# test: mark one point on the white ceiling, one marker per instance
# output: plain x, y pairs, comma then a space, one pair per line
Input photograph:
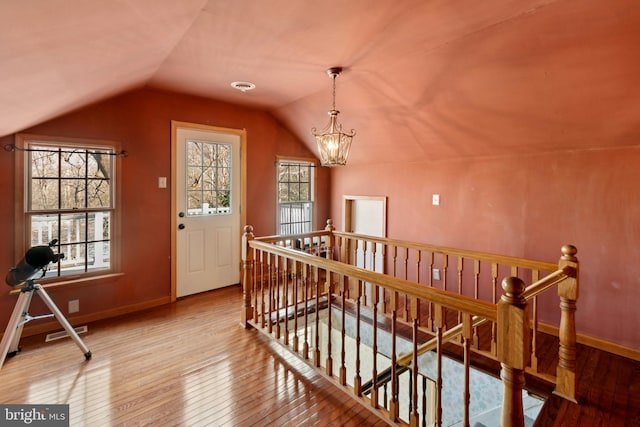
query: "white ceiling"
423, 80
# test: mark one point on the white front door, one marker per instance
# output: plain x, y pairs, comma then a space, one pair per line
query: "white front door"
207, 188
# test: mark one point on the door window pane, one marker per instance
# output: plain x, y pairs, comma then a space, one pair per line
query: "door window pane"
208, 178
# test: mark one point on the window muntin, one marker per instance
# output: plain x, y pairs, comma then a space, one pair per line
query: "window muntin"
295, 197
208, 178
70, 198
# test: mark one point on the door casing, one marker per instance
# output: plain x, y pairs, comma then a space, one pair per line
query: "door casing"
174, 210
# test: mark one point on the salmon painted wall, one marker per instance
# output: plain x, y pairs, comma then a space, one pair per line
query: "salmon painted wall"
141, 122
526, 206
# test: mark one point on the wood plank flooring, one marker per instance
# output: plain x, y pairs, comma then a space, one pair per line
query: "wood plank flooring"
191, 364
185, 364
608, 394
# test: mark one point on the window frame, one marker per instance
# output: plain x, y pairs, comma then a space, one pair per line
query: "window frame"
312, 164
22, 214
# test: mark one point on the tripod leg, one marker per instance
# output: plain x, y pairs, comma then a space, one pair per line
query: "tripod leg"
11, 336
63, 321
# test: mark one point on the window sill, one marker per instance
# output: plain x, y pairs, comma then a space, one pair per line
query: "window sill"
71, 282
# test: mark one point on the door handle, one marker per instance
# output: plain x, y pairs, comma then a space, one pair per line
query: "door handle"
181, 226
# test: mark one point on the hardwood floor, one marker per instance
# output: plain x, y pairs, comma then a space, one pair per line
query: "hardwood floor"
608, 394
191, 364
186, 364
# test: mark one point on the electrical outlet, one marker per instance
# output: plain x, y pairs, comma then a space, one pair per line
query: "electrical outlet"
435, 273
74, 306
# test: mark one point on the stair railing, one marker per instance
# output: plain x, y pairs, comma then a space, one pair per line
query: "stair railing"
286, 293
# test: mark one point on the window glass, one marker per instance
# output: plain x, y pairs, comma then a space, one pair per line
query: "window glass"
70, 194
208, 178
295, 197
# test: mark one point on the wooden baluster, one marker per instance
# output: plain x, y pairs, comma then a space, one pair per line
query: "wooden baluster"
394, 404
316, 286
357, 380
374, 347
445, 266
535, 276
418, 264
280, 273
394, 256
414, 417
494, 285
355, 252
385, 302
330, 241
247, 277
343, 333
305, 280
257, 284
367, 286
263, 285
568, 292
406, 276
514, 350
329, 286
409, 391
296, 296
439, 325
429, 303
270, 303
467, 337
385, 397
460, 268
374, 253
285, 296
346, 250
476, 285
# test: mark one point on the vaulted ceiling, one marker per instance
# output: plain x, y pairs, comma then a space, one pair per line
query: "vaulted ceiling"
423, 80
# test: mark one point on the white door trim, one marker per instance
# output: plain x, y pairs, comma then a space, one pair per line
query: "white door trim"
242, 133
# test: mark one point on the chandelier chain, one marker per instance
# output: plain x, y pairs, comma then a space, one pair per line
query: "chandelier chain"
334, 92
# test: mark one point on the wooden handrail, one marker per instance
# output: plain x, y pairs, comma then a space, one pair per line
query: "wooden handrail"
547, 282
445, 298
481, 256
292, 237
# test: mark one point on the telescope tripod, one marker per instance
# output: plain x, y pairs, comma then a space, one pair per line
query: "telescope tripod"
20, 316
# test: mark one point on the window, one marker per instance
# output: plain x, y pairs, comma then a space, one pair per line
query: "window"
295, 196
208, 178
69, 196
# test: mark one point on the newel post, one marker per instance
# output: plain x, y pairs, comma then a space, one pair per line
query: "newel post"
330, 239
514, 349
247, 276
568, 293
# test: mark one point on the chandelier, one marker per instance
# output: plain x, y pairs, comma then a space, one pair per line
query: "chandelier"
333, 142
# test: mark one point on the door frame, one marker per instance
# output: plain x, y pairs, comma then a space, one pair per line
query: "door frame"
242, 133
347, 208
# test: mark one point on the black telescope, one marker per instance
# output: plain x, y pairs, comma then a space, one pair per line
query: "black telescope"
37, 258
